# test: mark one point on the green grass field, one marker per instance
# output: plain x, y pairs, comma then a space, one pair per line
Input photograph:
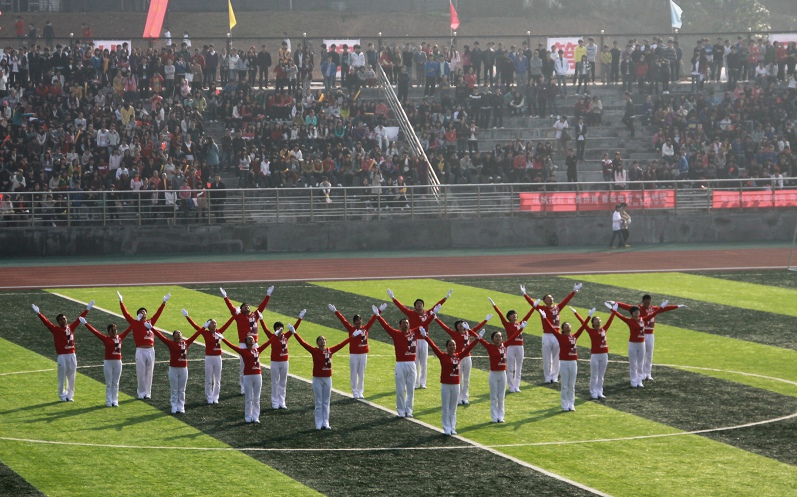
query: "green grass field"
719, 419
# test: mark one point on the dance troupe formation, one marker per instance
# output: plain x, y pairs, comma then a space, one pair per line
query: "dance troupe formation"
411, 342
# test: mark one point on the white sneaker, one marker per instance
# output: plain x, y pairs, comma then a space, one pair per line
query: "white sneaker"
601, 396
649, 378
408, 415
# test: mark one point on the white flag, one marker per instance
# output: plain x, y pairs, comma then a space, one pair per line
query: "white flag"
675, 15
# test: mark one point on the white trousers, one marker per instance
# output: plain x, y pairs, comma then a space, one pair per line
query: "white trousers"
212, 378
420, 362
497, 394
465, 365
650, 341
597, 370
178, 377
113, 371
253, 383
405, 375
67, 369
636, 358
322, 392
514, 366
569, 369
357, 363
145, 366
550, 357
279, 383
241, 345
450, 397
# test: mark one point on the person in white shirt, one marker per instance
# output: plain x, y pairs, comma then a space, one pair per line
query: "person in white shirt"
357, 58
617, 227
561, 66
561, 138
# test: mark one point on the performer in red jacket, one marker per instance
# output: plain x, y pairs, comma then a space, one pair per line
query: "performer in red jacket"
599, 353
568, 361
418, 317
178, 365
514, 348
358, 349
645, 309
462, 334
112, 366
550, 346
497, 353
145, 343
253, 379
279, 360
246, 320
449, 378
636, 342
322, 374
64, 338
212, 355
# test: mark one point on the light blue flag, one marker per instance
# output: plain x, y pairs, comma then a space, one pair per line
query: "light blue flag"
675, 15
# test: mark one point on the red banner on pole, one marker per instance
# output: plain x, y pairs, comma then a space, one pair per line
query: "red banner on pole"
454, 16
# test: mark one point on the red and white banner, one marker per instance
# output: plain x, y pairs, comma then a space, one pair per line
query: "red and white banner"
568, 46
783, 37
596, 201
111, 45
735, 199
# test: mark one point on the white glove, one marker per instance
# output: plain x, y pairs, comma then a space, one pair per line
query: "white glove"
466, 325
383, 307
223, 293
523, 325
120, 296
591, 312
89, 305
681, 306
291, 328
614, 307
481, 333
147, 325
207, 323
390, 293
185, 313
301, 314
537, 302
436, 309
237, 310
270, 290
523, 289
259, 315
140, 317
664, 304
218, 336
609, 304
492, 303
376, 311
577, 287
167, 297
488, 317
572, 309
357, 333
82, 320
448, 295
35, 309
332, 308
543, 314
423, 331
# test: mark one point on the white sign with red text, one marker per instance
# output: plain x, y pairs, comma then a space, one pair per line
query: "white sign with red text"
568, 45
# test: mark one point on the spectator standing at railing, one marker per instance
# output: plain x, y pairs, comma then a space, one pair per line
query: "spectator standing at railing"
561, 67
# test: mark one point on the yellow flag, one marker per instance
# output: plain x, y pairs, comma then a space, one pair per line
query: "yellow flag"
233, 22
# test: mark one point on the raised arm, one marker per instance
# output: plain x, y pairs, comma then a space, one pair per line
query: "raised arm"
95, 332
445, 327
124, 334
608, 322
344, 321
83, 314
479, 326
570, 295
388, 329
307, 346
233, 310
160, 335
191, 321
265, 329
126, 314
339, 346
233, 347
157, 315
439, 353
547, 322
226, 325
467, 349
504, 322
262, 306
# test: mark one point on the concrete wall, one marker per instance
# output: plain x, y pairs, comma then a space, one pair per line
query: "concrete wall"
521, 231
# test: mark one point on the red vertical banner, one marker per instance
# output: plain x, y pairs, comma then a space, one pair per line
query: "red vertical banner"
155, 16
454, 16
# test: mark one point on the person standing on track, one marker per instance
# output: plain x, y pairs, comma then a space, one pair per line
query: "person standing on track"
462, 334
279, 359
550, 345
112, 367
246, 320
497, 353
322, 373
405, 345
64, 337
212, 355
514, 347
568, 360
178, 365
636, 341
419, 317
599, 353
145, 343
449, 378
650, 324
253, 379
358, 349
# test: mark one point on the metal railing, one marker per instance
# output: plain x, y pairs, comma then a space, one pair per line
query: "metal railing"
299, 205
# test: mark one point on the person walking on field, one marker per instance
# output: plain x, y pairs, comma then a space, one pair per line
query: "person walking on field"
617, 227
568, 360
449, 378
358, 349
625, 224
112, 367
599, 353
419, 317
212, 355
145, 343
64, 337
322, 373
514, 347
